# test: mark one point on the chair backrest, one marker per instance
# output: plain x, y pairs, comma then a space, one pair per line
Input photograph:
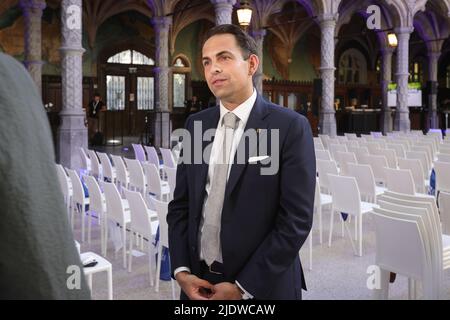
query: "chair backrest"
444, 210
171, 179
389, 154
415, 166
121, 171
78, 190
95, 195
399, 245
345, 193
343, 159
398, 148
152, 155
378, 163
114, 205
107, 169
137, 177
63, 180
442, 170
139, 152
444, 150
400, 180
153, 179
443, 157
140, 219
161, 210
364, 177
325, 167
422, 154
425, 149
95, 164
360, 153
351, 136
168, 159
323, 154
333, 148
85, 162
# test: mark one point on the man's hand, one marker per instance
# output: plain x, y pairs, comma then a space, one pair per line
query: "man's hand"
194, 287
226, 291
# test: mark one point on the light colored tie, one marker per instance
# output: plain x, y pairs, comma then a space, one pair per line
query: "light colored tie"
210, 238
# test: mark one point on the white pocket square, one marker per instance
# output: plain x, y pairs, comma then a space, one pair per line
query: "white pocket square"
256, 159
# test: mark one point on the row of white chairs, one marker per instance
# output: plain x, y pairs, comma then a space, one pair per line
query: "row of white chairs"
129, 213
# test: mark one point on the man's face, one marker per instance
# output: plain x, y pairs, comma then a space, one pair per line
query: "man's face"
97, 98
228, 75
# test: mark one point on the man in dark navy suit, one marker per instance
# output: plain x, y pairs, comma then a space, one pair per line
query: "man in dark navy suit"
243, 209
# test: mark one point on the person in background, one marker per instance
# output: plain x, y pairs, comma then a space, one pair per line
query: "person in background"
36, 243
94, 108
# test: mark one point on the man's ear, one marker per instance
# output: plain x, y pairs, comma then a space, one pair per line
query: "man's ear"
253, 64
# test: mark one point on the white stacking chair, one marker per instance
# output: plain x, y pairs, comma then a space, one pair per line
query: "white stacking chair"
96, 169
333, 148
323, 155
444, 149
161, 210
416, 168
144, 223
79, 203
108, 171
443, 157
360, 153
168, 159
347, 199
122, 174
318, 145
422, 156
97, 204
320, 200
139, 152
85, 161
442, 170
378, 163
366, 181
400, 248
351, 136
400, 180
343, 159
390, 155
152, 156
325, 167
444, 211
118, 212
398, 148
66, 188
137, 177
155, 186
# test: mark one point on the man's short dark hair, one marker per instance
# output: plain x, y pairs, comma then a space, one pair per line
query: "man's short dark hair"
244, 41
96, 94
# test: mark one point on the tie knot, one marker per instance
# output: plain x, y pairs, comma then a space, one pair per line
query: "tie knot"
230, 120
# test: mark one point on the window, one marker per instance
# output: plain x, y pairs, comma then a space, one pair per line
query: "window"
131, 57
145, 90
180, 78
447, 77
352, 67
115, 92
415, 72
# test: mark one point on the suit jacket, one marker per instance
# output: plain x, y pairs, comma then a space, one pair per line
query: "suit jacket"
265, 218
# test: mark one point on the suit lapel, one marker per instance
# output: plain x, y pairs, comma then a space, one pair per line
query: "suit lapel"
255, 121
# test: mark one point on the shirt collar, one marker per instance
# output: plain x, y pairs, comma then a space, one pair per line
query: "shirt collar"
242, 111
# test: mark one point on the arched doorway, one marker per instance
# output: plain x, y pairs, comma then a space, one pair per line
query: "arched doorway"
126, 79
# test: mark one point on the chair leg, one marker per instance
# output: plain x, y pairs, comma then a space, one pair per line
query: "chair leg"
158, 267
342, 226
360, 235
356, 228
89, 226
105, 239
382, 292
124, 247
331, 227
82, 223
130, 255
150, 262
319, 211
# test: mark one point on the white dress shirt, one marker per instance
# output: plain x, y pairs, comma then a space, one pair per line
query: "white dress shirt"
242, 112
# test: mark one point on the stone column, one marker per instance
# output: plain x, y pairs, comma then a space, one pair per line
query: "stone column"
32, 11
259, 35
72, 133
386, 78
224, 10
162, 74
327, 121
433, 59
402, 122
